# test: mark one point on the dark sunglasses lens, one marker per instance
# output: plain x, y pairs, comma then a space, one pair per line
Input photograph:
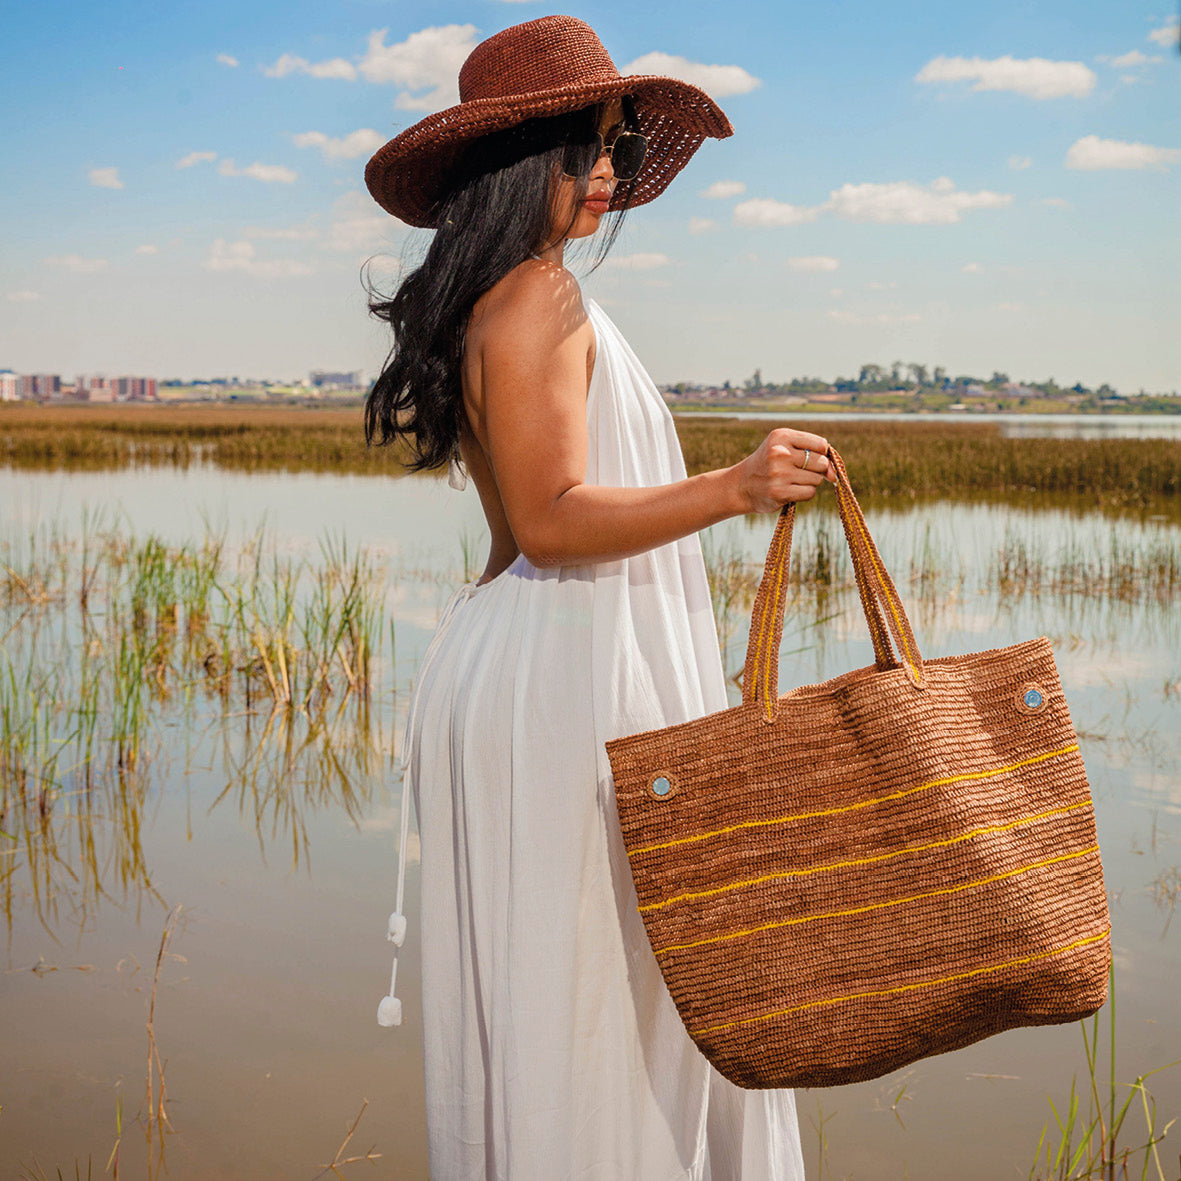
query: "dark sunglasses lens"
579, 156
627, 154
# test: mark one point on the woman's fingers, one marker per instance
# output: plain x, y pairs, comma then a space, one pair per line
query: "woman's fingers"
806, 451
788, 467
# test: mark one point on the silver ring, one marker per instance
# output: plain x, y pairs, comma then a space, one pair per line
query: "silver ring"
807, 456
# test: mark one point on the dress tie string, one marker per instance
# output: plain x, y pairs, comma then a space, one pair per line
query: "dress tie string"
389, 1010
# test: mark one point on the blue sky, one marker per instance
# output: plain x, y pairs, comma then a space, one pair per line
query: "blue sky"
993, 186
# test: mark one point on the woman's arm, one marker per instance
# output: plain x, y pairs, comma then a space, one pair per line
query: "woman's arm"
532, 425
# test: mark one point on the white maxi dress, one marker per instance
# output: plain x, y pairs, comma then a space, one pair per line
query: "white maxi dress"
552, 1047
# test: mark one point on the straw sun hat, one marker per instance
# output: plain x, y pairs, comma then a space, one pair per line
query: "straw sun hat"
544, 67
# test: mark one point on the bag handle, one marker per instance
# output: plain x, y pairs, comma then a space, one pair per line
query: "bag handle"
880, 603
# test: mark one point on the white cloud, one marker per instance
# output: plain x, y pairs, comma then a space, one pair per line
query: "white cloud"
716, 81
1009, 306
24, 296
813, 262
1034, 77
105, 178
877, 285
972, 268
227, 60
242, 256
269, 173
721, 189
426, 62
846, 317
1056, 202
350, 147
1017, 163
898, 202
147, 248
77, 264
763, 211
288, 63
638, 262
1132, 58
284, 233
702, 225
195, 158
1092, 153
903, 202
358, 225
1168, 36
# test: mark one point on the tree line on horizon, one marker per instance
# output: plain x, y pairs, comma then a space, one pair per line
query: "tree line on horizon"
911, 377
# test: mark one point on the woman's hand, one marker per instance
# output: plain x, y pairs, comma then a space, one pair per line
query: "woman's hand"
788, 466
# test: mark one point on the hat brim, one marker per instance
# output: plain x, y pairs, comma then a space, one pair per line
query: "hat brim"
410, 174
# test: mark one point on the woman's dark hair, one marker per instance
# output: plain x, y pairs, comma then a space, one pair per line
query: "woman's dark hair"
496, 215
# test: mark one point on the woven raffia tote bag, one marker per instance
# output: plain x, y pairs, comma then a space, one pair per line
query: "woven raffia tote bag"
891, 864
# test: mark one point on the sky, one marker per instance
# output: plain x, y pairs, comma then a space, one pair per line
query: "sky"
981, 187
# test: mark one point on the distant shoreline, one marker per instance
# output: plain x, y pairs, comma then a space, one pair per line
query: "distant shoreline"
1125, 407
1121, 408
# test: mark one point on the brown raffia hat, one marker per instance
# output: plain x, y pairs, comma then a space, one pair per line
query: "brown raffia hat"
548, 66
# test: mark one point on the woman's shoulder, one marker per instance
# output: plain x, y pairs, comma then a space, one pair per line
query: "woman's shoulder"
537, 300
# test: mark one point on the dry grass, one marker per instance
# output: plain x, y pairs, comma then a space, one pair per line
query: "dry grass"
929, 460
339, 1160
890, 458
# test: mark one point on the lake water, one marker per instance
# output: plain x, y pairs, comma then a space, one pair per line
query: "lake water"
266, 1027
1014, 426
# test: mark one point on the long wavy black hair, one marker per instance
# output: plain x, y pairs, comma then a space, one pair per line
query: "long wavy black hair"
498, 213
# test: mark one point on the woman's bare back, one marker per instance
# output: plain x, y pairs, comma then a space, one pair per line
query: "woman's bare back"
501, 310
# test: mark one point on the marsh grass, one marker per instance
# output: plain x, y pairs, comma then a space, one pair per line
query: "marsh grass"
1118, 566
1113, 566
890, 458
106, 636
963, 461
1088, 1147
154, 1117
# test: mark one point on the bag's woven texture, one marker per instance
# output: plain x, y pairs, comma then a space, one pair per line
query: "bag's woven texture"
891, 864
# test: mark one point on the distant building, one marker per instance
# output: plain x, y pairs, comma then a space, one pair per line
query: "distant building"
9, 386
115, 389
135, 389
94, 389
322, 379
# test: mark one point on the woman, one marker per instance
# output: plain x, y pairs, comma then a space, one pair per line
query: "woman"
553, 1049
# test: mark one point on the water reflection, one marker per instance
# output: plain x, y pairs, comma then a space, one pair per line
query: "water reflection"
1012, 426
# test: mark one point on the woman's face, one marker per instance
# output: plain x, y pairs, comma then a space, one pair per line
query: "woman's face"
578, 216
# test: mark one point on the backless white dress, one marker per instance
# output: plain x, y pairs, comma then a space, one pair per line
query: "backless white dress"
553, 1049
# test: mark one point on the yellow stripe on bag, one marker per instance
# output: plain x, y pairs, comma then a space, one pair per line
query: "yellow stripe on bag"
857, 996
838, 914
988, 773
812, 869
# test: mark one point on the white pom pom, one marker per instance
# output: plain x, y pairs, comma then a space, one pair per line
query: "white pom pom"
389, 1012
397, 929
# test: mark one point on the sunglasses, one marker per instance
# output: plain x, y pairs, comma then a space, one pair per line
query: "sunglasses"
626, 152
